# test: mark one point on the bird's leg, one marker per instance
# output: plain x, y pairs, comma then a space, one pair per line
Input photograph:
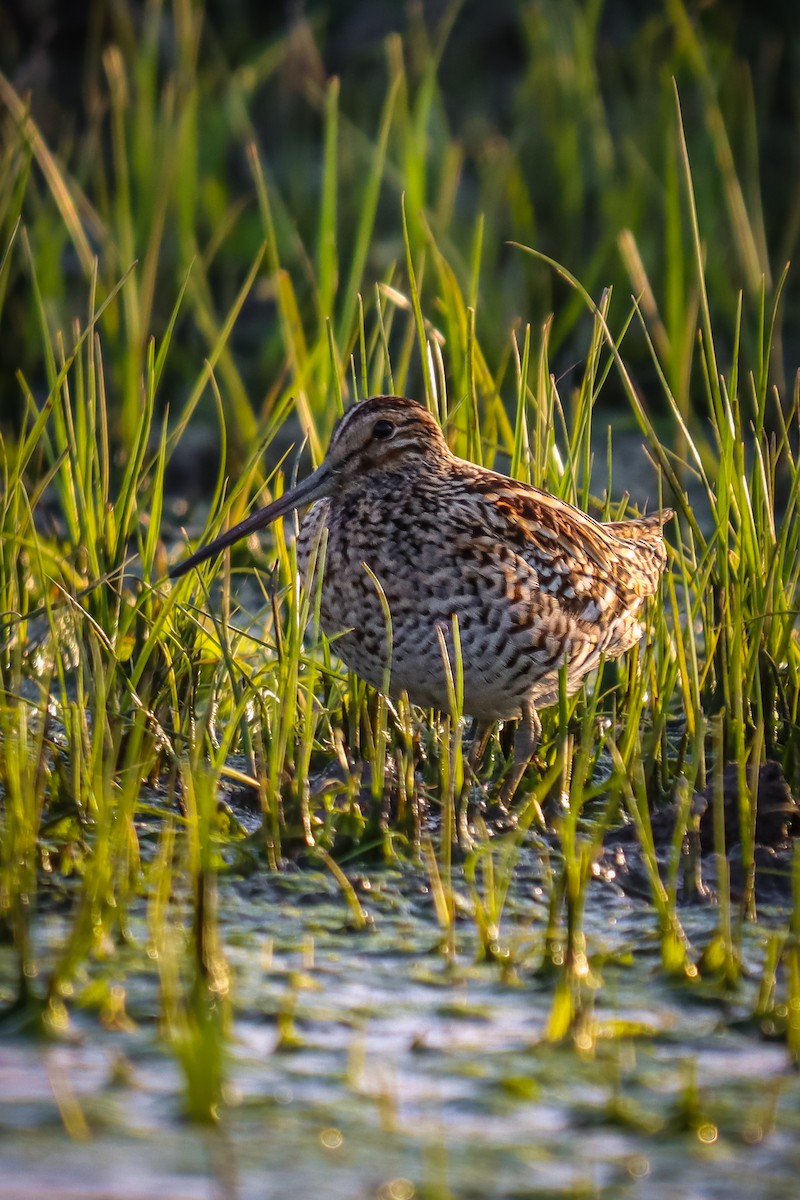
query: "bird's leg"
480, 740
529, 731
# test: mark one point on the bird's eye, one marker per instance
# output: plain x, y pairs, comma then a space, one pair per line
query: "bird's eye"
383, 430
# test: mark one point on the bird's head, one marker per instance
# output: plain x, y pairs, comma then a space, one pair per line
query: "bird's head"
383, 433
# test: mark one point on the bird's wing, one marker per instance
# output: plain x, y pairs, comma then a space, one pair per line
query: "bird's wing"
588, 568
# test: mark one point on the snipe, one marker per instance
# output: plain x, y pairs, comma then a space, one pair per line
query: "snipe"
534, 582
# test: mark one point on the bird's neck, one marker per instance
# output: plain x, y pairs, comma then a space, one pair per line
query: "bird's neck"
399, 479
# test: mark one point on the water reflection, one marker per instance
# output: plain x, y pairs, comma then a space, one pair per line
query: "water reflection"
405, 1078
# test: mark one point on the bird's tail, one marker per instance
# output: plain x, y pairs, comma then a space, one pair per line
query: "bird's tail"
645, 530
645, 535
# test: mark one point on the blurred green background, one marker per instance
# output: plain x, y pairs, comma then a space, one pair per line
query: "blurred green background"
548, 122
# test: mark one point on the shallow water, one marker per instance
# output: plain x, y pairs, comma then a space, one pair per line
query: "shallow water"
409, 1077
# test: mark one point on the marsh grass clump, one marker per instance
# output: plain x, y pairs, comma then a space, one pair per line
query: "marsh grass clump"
127, 702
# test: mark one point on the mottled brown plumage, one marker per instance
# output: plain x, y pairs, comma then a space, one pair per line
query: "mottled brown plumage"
534, 582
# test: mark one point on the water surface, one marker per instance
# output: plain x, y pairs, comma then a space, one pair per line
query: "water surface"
408, 1076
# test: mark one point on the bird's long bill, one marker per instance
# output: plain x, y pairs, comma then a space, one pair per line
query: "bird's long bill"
306, 492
